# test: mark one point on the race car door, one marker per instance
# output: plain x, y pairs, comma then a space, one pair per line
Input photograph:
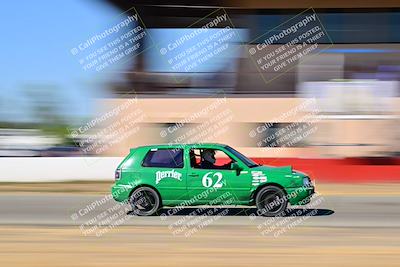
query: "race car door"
218, 184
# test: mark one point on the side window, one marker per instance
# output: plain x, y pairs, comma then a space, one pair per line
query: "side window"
221, 158
209, 159
164, 158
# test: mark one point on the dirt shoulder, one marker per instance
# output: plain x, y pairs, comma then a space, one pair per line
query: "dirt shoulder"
212, 246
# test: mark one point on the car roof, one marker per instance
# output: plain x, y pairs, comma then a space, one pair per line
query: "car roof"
183, 145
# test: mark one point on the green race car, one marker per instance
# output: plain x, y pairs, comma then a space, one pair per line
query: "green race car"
151, 177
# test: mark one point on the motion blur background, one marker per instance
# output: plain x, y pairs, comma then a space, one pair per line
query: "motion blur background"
83, 81
353, 76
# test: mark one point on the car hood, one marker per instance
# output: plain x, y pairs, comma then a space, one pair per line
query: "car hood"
284, 170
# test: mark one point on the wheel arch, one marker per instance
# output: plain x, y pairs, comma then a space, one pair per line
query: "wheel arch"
146, 185
255, 192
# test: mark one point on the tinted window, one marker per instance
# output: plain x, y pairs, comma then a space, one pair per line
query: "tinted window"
166, 158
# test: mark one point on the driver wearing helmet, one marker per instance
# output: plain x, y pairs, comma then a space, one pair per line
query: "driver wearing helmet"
208, 161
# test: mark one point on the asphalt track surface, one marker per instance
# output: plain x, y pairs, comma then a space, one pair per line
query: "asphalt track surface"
53, 229
75, 209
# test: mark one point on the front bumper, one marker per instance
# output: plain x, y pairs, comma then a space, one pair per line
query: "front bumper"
300, 195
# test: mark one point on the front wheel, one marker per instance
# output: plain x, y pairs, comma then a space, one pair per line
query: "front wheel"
144, 201
271, 201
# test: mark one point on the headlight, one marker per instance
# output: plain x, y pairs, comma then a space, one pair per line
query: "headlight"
307, 182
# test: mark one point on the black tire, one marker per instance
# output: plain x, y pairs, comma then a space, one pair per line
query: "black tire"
271, 201
144, 201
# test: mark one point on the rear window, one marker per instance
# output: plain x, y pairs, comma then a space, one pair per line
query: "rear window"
165, 158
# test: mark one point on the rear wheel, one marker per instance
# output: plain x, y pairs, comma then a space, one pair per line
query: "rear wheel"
144, 201
271, 201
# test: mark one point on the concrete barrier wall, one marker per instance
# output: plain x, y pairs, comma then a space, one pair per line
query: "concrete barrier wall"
56, 169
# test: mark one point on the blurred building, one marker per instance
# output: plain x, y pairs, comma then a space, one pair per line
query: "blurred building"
353, 78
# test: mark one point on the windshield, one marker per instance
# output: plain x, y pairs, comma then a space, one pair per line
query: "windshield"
242, 157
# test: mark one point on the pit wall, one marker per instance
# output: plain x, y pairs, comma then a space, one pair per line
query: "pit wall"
58, 169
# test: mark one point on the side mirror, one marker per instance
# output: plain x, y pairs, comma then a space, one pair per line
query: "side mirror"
236, 167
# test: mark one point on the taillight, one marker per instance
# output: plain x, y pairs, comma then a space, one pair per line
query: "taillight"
117, 174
